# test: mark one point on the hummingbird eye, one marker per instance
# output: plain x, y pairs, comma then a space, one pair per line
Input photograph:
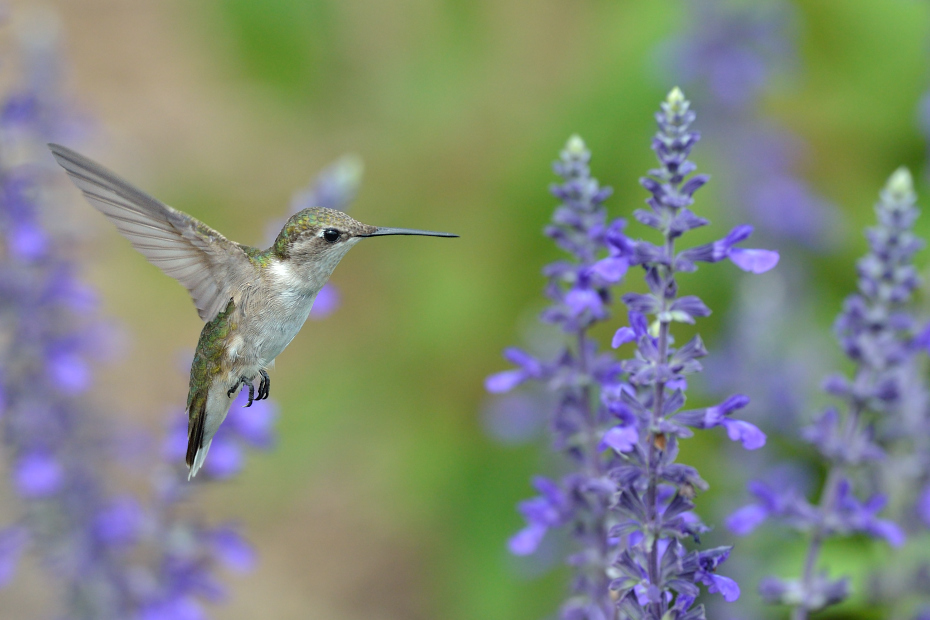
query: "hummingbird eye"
331, 235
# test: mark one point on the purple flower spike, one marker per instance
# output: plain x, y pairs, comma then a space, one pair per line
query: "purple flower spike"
626, 500
879, 336
579, 290
658, 577
253, 425
181, 608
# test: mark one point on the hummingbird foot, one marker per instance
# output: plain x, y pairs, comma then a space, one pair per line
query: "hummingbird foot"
264, 386
246, 382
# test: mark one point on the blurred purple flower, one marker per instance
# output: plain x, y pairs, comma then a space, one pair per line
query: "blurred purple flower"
27, 241
729, 54
233, 551
13, 541
37, 474
227, 458
514, 418
878, 335
69, 372
121, 522
108, 555
181, 608
326, 302
923, 505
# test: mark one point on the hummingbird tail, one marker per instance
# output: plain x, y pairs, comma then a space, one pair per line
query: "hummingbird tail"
196, 451
199, 459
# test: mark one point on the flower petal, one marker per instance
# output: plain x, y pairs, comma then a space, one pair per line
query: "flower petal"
753, 260
746, 519
504, 381
610, 270
725, 586
748, 434
623, 336
526, 540
620, 438
887, 530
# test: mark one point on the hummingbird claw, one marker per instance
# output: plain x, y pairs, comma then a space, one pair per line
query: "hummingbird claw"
248, 383
251, 387
264, 386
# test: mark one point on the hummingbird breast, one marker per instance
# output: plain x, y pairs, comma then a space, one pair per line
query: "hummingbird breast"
271, 315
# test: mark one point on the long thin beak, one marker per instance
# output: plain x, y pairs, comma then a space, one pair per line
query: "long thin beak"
387, 230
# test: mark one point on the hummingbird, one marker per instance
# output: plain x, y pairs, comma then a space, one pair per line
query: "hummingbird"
253, 301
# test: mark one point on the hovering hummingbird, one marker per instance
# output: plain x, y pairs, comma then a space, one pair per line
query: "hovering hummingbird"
253, 301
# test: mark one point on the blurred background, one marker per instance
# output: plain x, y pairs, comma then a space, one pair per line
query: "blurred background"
391, 491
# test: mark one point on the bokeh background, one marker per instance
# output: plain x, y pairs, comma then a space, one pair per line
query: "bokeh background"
389, 494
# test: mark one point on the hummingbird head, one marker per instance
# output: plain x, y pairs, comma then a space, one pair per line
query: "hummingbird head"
321, 237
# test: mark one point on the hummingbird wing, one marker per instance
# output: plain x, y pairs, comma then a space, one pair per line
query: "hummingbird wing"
209, 265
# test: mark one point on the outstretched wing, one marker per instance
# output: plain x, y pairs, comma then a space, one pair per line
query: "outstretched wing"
209, 265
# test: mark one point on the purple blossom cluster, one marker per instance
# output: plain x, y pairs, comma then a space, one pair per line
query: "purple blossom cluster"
877, 333
109, 554
579, 292
627, 502
658, 576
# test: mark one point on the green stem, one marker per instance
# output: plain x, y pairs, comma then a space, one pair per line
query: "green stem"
652, 500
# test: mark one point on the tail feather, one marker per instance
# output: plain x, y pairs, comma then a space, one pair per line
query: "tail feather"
196, 451
199, 459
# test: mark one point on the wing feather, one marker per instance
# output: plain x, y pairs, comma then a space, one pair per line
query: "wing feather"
210, 267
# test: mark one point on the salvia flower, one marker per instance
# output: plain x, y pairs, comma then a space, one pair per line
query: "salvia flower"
627, 502
658, 576
876, 332
579, 291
